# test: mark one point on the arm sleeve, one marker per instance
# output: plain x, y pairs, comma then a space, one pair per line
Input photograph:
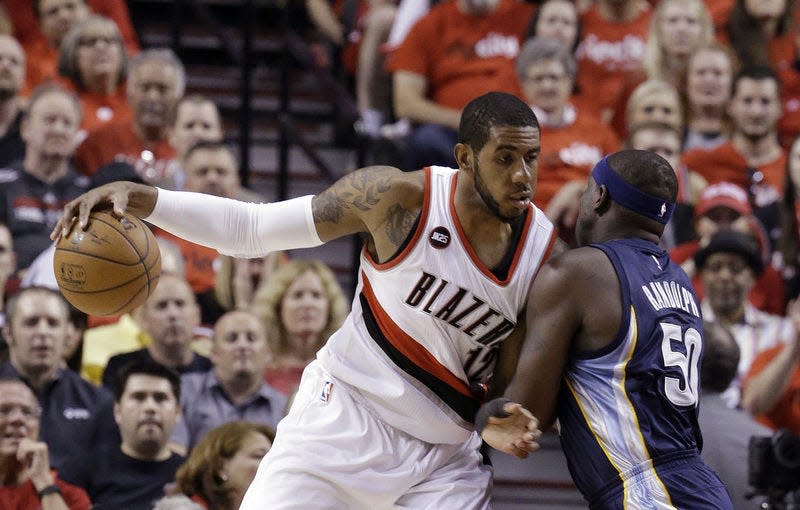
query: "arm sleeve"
234, 228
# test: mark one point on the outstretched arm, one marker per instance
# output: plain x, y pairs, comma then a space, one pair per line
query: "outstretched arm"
362, 201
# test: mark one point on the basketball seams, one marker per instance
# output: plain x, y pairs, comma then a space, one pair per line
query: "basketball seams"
98, 257
125, 236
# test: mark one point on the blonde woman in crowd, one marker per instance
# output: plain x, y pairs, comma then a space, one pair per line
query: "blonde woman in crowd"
301, 305
708, 92
222, 465
678, 27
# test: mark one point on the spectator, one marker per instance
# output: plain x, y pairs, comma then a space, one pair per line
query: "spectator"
611, 49
664, 140
195, 118
94, 61
557, 19
725, 206
708, 92
772, 388
210, 167
753, 159
728, 267
12, 75
33, 191
131, 474
234, 389
761, 34
168, 318
76, 416
73, 343
156, 81
458, 51
236, 282
8, 262
301, 305
726, 431
26, 480
571, 143
224, 462
677, 28
789, 244
654, 101
56, 18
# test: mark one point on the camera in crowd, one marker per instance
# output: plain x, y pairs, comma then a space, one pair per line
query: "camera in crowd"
774, 466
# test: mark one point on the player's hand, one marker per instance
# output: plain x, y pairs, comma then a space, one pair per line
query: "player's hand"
120, 197
516, 433
35, 464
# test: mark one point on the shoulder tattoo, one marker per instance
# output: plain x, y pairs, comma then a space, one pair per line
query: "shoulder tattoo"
399, 222
360, 190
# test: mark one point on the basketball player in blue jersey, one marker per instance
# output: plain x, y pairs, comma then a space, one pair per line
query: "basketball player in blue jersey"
384, 415
613, 347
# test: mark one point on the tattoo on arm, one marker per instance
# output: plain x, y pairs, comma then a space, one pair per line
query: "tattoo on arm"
399, 222
360, 190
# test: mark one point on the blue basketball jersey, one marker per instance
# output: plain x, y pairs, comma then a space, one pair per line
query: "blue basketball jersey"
632, 406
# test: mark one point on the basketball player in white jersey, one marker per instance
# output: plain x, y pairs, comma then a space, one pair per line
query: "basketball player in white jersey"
384, 416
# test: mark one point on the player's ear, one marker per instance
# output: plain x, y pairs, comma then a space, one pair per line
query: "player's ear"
602, 199
464, 157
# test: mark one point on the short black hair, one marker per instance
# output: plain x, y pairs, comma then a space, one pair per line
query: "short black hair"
755, 72
492, 109
732, 241
146, 367
647, 171
720, 358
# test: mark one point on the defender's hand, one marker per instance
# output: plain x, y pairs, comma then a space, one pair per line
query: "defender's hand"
516, 433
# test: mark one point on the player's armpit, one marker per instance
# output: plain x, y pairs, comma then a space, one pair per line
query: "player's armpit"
380, 200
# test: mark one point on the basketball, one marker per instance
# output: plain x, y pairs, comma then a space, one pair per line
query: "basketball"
111, 267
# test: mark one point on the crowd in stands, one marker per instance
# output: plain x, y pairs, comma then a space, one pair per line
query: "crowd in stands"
174, 404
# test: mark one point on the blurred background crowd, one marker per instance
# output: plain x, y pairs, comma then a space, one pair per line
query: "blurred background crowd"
174, 404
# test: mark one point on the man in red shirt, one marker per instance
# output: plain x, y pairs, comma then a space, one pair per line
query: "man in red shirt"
458, 51
156, 82
752, 159
25, 474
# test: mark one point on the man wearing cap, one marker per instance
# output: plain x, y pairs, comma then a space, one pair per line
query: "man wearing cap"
725, 206
728, 267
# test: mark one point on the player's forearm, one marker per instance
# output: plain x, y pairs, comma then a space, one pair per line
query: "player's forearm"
236, 228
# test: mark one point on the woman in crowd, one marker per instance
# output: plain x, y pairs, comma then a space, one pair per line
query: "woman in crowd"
222, 465
678, 27
93, 59
708, 92
301, 305
654, 101
559, 20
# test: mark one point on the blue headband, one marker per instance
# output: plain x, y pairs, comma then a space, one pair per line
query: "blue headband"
629, 196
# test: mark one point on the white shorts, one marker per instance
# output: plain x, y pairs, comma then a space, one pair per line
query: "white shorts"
333, 452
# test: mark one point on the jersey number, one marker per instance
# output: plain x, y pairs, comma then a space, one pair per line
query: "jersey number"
681, 392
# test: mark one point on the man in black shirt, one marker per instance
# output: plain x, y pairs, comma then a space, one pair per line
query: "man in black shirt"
132, 474
33, 191
76, 416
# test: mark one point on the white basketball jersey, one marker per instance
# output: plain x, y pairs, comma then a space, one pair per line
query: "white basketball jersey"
425, 327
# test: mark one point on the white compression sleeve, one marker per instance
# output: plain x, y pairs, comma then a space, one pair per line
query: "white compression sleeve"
239, 229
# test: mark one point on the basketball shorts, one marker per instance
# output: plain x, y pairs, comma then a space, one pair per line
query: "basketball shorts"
332, 452
682, 484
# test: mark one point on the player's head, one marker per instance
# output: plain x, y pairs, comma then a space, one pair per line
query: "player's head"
498, 143
632, 191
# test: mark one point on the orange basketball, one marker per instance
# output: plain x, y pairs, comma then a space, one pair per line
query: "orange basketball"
111, 267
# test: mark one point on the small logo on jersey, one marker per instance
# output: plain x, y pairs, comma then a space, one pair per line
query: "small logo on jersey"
657, 263
440, 238
327, 389
663, 210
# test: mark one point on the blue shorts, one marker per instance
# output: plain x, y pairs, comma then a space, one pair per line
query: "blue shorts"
689, 484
